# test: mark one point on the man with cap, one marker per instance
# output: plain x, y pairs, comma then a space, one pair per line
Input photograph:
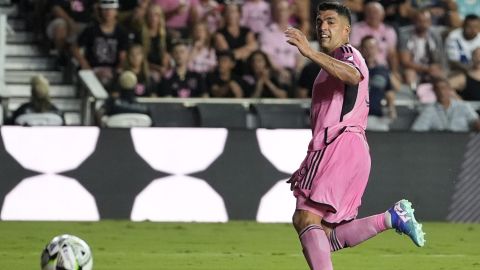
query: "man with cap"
105, 44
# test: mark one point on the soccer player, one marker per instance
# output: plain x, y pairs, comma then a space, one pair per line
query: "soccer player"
331, 180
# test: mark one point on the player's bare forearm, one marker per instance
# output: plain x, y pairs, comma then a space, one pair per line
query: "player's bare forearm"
341, 70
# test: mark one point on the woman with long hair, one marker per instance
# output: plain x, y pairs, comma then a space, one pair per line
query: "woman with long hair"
155, 40
262, 78
137, 64
202, 58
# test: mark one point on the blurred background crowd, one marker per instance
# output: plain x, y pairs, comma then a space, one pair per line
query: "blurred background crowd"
237, 49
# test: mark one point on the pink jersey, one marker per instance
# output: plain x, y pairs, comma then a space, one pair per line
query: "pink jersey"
179, 20
336, 105
256, 15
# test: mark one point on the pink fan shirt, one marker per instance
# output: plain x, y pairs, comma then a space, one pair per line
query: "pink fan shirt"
256, 15
180, 20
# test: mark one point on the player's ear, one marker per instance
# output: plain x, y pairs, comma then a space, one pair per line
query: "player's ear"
348, 28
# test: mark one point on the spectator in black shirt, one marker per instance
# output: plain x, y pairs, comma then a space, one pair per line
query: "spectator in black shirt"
262, 80
180, 82
307, 78
235, 37
70, 18
155, 41
223, 82
105, 45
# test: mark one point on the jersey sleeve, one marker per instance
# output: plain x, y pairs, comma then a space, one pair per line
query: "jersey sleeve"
351, 56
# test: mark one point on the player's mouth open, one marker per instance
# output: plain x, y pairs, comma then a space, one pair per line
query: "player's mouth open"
324, 36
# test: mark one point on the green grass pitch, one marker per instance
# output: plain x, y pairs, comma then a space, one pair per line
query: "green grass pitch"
126, 245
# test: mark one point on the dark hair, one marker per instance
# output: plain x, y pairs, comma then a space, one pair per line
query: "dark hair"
231, 3
263, 54
337, 7
226, 53
470, 17
438, 80
365, 39
422, 11
178, 42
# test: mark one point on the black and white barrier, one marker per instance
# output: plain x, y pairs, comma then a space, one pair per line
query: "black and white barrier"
205, 175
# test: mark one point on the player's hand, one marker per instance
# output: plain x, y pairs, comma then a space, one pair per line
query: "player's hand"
298, 39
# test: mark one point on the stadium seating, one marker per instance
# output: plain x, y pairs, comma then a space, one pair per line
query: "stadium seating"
127, 120
39, 119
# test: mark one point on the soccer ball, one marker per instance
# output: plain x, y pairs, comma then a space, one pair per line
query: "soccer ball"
67, 252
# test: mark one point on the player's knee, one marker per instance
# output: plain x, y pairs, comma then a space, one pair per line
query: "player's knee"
301, 219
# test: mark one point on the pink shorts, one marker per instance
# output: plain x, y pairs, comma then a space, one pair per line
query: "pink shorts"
331, 181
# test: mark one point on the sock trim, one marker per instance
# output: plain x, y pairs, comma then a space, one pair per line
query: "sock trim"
334, 243
309, 228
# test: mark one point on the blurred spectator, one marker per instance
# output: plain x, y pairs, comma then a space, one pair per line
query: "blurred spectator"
180, 82
385, 35
379, 85
130, 5
125, 102
467, 84
262, 79
210, 12
462, 41
286, 59
179, 14
444, 12
421, 49
300, 15
155, 41
398, 12
70, 18
137, 64
133, 21
256, 15
39, 100
306, 79
448, 113
202, 57
104, 43
37, 18
222, 82
234, 37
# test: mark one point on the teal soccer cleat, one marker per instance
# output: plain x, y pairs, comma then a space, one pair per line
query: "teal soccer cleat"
403, 221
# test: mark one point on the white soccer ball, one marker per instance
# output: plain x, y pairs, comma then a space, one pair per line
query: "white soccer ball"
67, 252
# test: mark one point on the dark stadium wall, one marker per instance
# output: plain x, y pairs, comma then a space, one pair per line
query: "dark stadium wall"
422, 167
213, 175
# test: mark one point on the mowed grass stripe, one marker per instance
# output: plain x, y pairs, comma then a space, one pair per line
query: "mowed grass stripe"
234, 245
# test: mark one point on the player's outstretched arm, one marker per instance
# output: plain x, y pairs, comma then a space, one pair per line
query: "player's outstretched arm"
341, 70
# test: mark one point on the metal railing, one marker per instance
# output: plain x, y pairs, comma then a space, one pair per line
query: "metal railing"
3, 48
92, 93
246, 102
